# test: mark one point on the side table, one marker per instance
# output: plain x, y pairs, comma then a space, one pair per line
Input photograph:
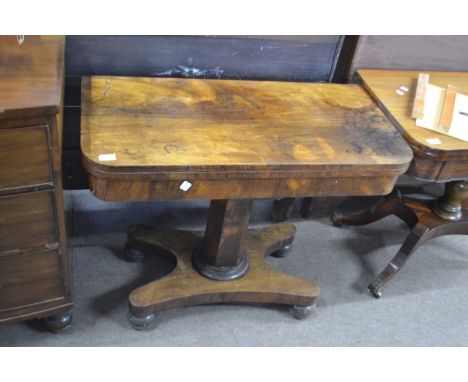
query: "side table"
230, 141
442, 160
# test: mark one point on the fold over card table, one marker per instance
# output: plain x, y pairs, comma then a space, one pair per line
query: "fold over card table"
231, 142
437, 158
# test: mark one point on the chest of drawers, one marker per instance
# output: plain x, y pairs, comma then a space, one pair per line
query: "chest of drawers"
34, 266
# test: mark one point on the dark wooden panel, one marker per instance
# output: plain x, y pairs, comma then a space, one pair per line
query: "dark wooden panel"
28, 278
27, 221
294, 58
412, 52
24, 157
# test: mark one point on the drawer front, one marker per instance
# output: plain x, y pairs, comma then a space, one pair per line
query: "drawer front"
27, 221
24, 157
28, 278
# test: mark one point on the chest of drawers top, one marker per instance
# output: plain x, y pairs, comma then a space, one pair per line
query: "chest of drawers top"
30, 76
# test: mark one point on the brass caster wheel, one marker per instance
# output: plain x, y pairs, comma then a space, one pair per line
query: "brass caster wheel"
374, 291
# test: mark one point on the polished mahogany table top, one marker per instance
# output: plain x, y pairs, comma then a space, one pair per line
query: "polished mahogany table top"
448, 159
148, 129
382, 84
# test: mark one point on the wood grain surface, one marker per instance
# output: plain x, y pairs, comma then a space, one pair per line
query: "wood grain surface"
184, 286
31, 75
278, 58
29, 278
24, 157
236, 127
35, 277
27, 221
382, 85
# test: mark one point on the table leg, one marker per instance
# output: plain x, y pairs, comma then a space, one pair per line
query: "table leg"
221, 256
393, 204
416, 238
426, 220
282, 209
227, 265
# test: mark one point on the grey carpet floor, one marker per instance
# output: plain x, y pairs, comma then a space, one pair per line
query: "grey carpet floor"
424, 305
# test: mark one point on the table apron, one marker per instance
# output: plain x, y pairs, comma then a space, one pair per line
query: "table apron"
127, 189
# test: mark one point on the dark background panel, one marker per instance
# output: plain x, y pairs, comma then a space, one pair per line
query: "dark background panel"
293, 58
279, 58
448, 53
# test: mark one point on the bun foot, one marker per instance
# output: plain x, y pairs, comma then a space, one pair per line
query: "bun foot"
142, 323
282, 252
133, 255
59, 323
302, 312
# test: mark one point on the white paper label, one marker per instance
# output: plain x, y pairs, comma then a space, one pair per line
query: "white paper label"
185, 185
434, 141
107, 157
